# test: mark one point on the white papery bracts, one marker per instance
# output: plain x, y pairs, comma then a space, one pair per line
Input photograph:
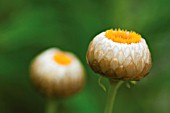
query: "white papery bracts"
120, 61
57, 73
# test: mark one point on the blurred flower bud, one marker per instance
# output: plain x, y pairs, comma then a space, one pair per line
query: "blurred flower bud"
57, 73
120, 55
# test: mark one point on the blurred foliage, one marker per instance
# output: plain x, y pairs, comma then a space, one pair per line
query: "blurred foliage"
27, 27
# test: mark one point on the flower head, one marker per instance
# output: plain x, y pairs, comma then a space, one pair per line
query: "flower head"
119, 54
57, 73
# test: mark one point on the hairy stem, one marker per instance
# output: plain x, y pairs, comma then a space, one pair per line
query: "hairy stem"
51, 106
114, 86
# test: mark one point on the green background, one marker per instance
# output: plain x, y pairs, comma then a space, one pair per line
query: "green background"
28, 27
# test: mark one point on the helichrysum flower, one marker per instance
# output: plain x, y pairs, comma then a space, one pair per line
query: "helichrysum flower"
57, 73
119, 54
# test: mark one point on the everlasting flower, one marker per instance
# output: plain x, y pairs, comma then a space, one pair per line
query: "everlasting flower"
119, 54
57, 73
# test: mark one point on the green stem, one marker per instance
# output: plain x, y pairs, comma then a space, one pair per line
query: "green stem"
51, 106
114, 86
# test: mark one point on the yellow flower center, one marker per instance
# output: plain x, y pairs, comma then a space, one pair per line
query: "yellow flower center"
62, 59
123, 36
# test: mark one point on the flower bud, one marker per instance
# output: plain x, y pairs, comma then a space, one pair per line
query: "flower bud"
120, 55
57, 73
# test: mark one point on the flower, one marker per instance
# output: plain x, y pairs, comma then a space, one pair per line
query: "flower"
120, 55
57, 73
